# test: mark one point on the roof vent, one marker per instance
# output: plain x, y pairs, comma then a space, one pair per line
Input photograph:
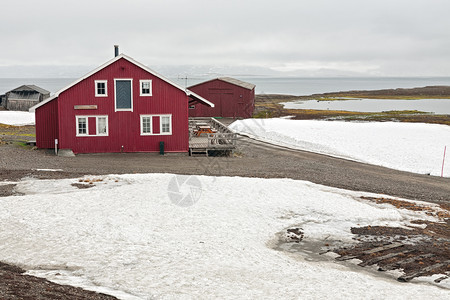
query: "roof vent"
116, 50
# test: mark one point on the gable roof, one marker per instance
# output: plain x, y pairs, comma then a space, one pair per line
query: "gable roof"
238, 82
188, 92
30, 87
243, 84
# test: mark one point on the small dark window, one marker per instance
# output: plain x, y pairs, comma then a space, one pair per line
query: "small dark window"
146, 87
101, 89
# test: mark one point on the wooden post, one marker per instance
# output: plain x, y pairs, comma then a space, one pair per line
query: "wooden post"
443, 161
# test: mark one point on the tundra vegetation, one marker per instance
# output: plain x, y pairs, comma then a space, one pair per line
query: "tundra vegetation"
269, 106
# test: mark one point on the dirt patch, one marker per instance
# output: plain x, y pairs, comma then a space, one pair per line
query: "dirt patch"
442, 213
421, 250
16, 175
15, 285
7, 190
82, 185
11, 133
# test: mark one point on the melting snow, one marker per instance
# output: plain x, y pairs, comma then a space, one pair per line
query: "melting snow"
17, 118
412, 147
131, 233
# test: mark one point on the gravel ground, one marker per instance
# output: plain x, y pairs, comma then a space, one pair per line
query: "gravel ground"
251, 159
14, 285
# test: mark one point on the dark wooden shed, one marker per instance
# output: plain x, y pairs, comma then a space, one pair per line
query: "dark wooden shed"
24, 97
232, 98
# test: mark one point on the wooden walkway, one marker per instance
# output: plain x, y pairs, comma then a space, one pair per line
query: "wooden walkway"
208, 134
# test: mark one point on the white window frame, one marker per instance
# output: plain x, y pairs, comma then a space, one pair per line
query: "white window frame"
78, 123
160, 124
115, 95
97, 129
140, 87
96, 125
96, 88
142, 124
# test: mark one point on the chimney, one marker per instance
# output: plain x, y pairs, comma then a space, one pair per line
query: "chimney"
116, 50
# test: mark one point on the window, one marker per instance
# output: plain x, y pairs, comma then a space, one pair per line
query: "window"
145, 87
146, 125
101, 88
100, 122
82, 128
165, 125
191, 106
123, 94
102, 125
149, 125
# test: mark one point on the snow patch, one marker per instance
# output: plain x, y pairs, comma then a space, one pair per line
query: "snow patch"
411, 147
17, 118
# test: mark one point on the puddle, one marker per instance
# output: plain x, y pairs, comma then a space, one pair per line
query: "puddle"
311, 250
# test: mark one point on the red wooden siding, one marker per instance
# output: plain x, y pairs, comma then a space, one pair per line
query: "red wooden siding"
47, 125
155, 124
123, 126
229, 99
92, 126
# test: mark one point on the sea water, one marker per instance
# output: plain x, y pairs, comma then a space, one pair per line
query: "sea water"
303, 86
307, 86
299, 86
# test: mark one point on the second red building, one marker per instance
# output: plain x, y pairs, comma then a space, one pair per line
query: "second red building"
232, 98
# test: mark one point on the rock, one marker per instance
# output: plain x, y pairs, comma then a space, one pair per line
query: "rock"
292, 235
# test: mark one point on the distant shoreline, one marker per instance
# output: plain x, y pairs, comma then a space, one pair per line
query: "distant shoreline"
269, 105
428, 92
299, 86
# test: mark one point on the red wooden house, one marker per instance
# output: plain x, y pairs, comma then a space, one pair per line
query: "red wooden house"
122, 106
231, 97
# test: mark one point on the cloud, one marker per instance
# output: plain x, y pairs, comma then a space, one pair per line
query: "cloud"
350, 34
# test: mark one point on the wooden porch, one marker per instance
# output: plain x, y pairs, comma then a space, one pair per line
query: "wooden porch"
209, 134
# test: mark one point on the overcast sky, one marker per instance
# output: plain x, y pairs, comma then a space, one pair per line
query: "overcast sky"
374, 37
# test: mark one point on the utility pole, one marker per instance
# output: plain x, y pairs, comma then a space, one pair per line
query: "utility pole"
185, 80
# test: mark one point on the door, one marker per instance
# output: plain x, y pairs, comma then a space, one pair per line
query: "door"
123, 94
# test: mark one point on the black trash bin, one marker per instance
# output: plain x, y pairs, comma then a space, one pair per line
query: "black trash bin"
161, 148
